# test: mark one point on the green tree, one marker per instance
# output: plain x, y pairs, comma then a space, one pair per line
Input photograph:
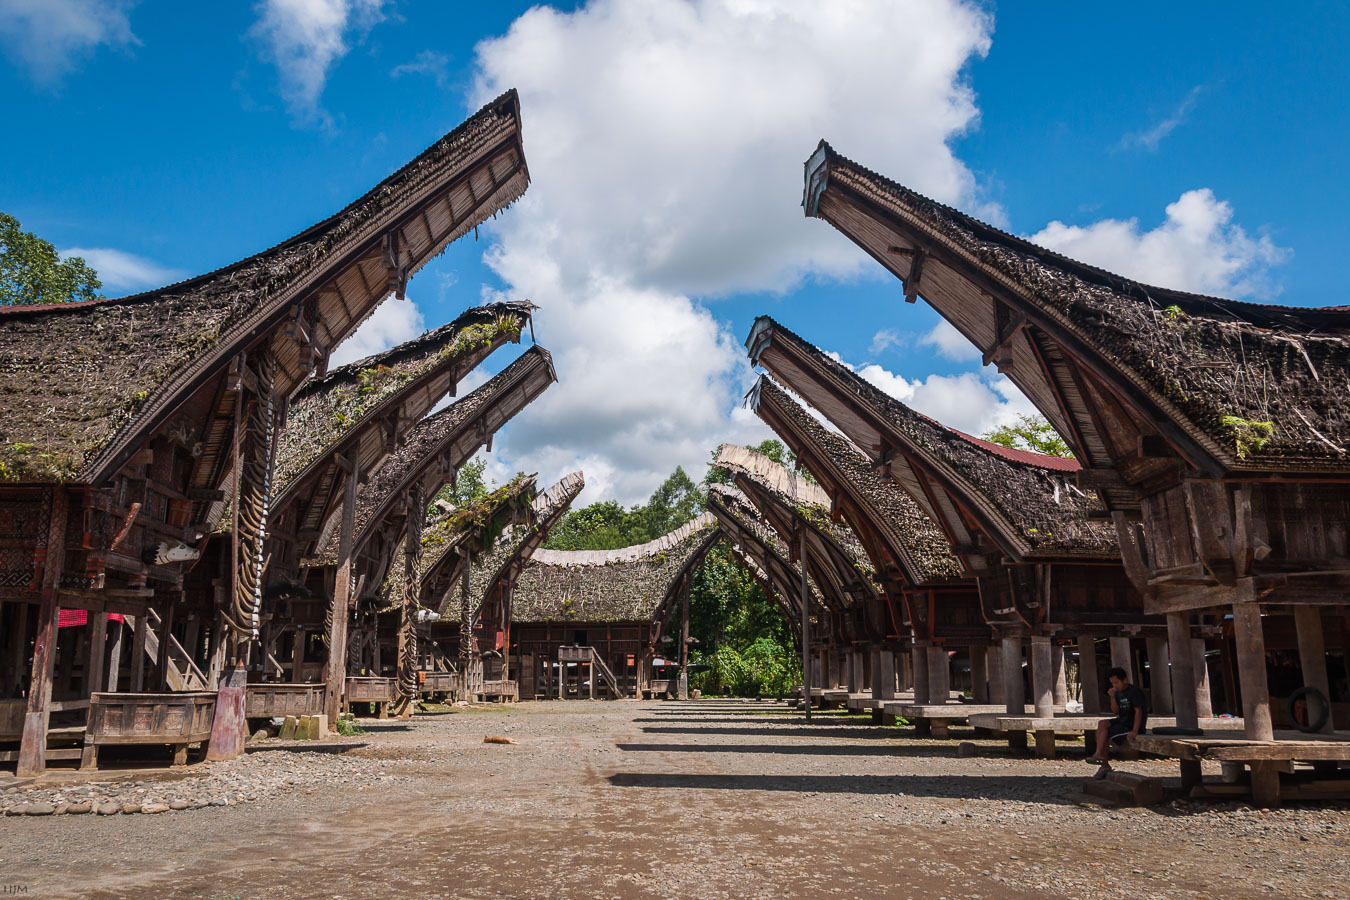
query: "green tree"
672, 504
1030, 433
469, 486
31, 272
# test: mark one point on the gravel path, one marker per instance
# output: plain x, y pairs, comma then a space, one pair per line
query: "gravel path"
701, 799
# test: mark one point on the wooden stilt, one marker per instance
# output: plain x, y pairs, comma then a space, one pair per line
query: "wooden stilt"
1087, 674
1183, 674
883, 678
138, 653
922, 673
33, 747
229, 729
336, 674
1312, 653
994, 665
1042, 679
1251, 652
979, 674
1120, 657
1061, 677
906, 674
1014, 693
939, 675
1159, 676
1204, 701
806, 630
93, 672
119, 631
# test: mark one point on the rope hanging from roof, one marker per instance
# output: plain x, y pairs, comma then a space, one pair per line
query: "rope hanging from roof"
255, 490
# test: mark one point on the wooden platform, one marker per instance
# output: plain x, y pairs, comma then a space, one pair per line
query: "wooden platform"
273, 699
1017, 727
1266, 759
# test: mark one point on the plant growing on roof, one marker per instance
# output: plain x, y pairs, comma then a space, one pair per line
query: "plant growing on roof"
1248, 437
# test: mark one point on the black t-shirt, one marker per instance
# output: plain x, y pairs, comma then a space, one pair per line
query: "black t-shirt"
1127, 701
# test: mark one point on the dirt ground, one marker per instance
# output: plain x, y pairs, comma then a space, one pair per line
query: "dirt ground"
699, 799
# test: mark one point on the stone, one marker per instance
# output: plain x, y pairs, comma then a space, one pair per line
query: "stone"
39, 809
261, 734
131, 809
220, 801
62, 808
178, 804
288, 728
80, 809
151, 809
110, 808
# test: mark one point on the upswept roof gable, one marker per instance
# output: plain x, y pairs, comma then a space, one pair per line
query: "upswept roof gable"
79, 382
1220, 369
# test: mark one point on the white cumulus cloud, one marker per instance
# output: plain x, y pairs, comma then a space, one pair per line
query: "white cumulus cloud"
1198, 247
123, 272
304, 39
950, 343
393, 322
971, 401
49, 37
666, 142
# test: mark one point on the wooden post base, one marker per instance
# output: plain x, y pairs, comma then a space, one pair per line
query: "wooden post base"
1017, 740
1266, 783
1190, 774
1045, 744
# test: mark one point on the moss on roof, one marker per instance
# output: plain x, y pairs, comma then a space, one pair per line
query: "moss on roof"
73, 376
632, 589
327, 410
1223, 364
915, 537
1041, 502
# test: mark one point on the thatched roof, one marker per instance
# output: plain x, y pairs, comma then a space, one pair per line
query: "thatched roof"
1213, 367
81, 384
442, 443
494, 571
1026, 500
789, 503
628, 585
472, 529
913, 539
752, 538
326, 412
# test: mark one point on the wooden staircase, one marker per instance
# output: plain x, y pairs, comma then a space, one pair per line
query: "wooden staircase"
599, 667
182, 673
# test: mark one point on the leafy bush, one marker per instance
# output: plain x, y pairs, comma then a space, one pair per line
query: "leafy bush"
764, 667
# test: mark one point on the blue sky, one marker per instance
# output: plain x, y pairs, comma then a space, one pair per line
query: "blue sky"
1198, 147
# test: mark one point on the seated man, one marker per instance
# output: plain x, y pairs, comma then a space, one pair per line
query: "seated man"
1131, 710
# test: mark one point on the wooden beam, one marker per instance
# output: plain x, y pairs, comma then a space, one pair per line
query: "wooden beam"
1251, 651
33, 747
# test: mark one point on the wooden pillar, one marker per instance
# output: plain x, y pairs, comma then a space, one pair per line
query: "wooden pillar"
883, 674
165, 639
192, 636
906, 670
1204, 701
336, 672
1312, 653
993, 658
33, 747
806, 629
1014, 693
939, 675
684, 642
1042, 677
1182, 663
115, 655
1120, 656
1160, 675
1251, 653
1061, 681
98, 642
922, 682
138, 652
18, 645
217, 646
229, 728
855, 671
1087, 675
979, 673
